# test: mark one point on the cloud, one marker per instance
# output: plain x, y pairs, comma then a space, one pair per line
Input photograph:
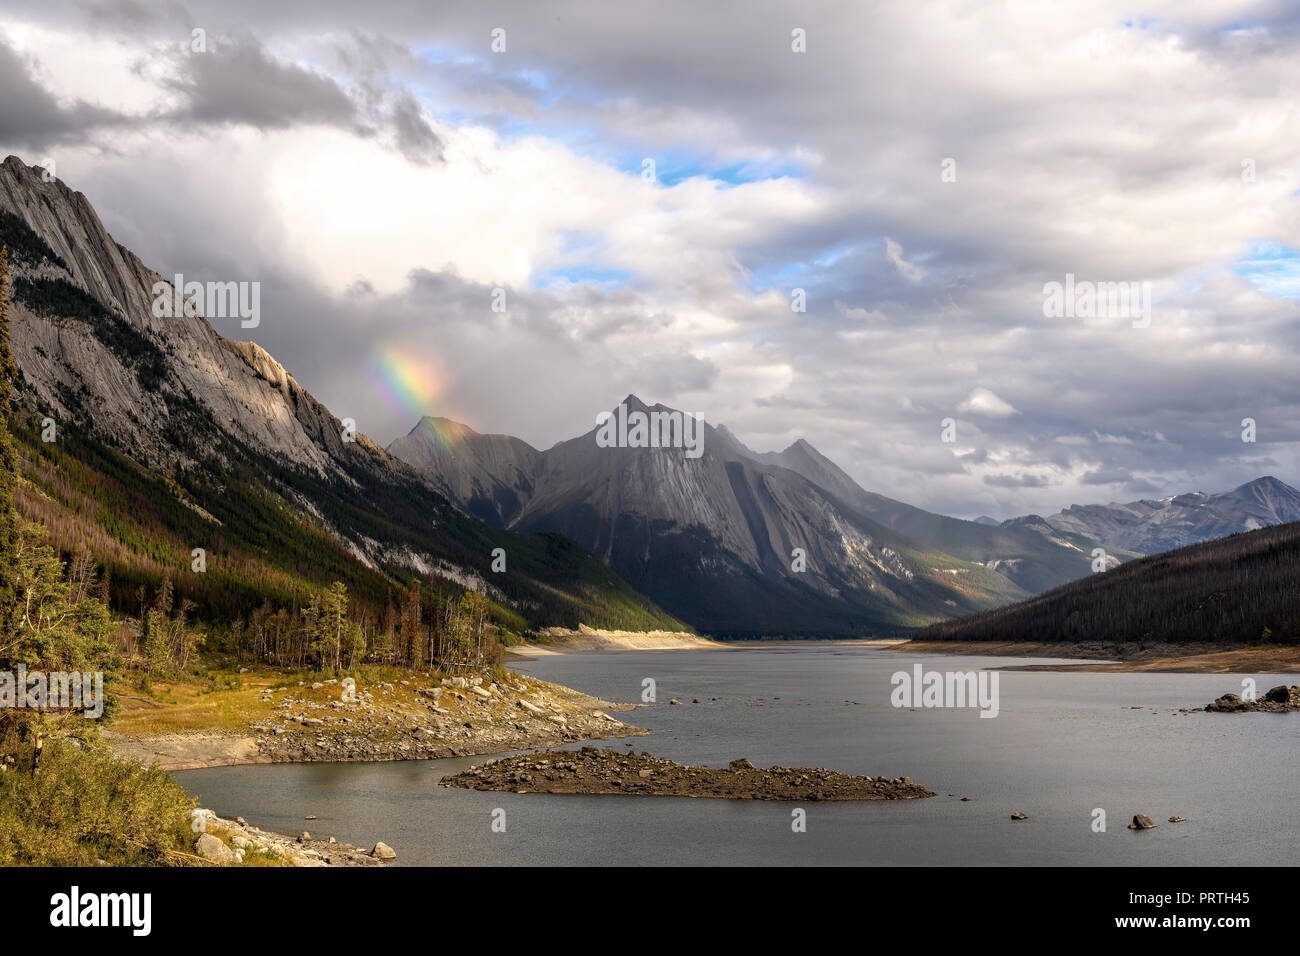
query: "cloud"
31, 117
981, 401
237, 81
415, 137
908, 270
384, 177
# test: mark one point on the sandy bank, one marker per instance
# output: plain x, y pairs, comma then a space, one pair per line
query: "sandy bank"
560, 640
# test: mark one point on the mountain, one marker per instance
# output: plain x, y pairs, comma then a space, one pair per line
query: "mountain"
711, 538
1234, 590
1034, 556
1153, 526
167, 437
490, 476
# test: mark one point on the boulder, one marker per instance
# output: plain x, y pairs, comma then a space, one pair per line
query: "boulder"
1017, 815
741, 764
383, 851
1281, 694
1142, 822
1228, 702
211, 848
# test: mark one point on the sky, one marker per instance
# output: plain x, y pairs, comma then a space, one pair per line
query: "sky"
822, 220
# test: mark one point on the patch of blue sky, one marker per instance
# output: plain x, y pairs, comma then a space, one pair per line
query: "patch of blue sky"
676, 166
835, 254
565, 277
1272, 268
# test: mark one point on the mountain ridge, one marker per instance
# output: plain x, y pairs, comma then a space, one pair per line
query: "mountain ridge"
171, 437
1152, 526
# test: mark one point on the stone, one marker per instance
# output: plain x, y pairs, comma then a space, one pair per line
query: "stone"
1280, 694
740, 764
1017, 815
382, 851
1228, 702
304, 837
1177, 819
1142, 822
211, 848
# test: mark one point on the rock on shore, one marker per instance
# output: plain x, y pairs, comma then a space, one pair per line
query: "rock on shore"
232, 842
1280, 698
593, 770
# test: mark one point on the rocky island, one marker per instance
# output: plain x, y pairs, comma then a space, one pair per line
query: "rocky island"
595, 770
1280, 698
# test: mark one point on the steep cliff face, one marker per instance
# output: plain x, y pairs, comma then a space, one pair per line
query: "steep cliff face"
223, 430
74, 367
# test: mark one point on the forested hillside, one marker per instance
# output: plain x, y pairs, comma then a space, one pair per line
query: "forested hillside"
1236, 590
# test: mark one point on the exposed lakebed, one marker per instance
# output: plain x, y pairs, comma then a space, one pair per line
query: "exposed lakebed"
1061, 746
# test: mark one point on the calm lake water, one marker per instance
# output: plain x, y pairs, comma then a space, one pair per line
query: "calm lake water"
1062, 745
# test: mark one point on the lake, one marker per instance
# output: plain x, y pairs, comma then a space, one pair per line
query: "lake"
1062, 746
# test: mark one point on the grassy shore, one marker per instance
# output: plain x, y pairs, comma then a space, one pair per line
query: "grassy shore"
264, 715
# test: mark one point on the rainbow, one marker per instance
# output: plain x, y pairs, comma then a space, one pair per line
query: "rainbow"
407, 386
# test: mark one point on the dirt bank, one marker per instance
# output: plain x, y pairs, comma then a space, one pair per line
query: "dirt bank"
593, 770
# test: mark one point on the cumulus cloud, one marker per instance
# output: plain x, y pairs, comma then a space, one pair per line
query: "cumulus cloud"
982, 401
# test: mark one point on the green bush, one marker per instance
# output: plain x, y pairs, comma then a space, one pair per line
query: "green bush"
84, 805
